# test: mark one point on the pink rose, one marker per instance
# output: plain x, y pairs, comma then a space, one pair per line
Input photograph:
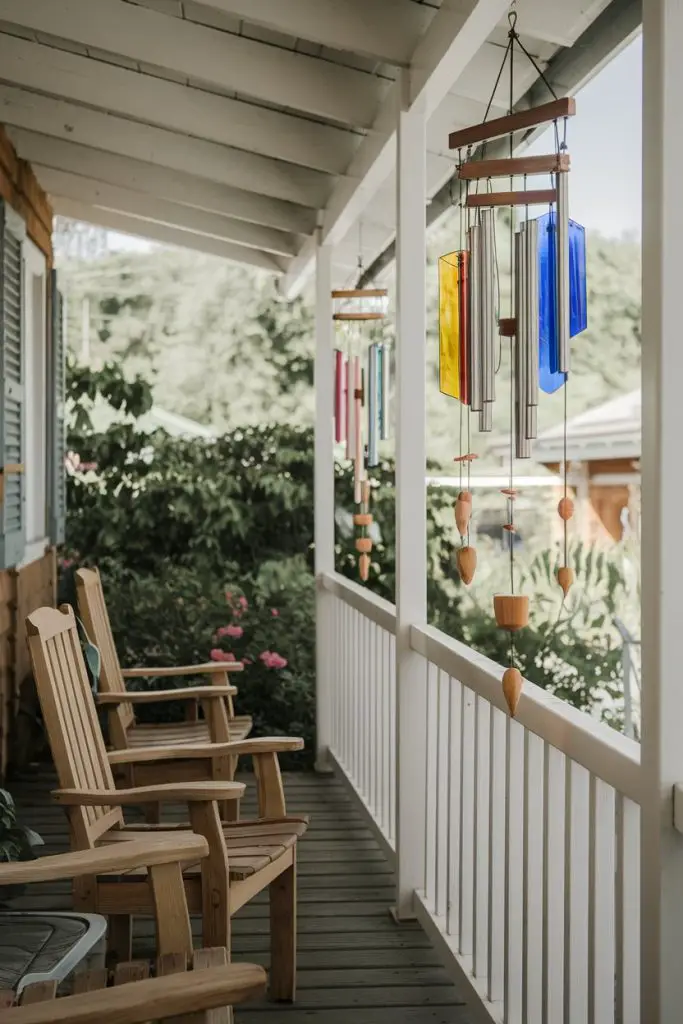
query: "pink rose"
244, 603
218, 655
246, 661
274, 612
273, 660
234, 631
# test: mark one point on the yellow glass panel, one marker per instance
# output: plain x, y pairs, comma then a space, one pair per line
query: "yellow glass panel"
449, 326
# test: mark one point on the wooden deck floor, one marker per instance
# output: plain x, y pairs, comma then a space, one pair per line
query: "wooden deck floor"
356, 966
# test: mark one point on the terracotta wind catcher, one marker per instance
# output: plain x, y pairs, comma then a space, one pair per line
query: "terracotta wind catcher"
361, 399
546, 307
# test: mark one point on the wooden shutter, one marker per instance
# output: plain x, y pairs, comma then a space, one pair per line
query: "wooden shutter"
56, 397
12, 371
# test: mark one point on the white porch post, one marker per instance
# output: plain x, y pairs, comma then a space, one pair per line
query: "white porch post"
323, 497
662, 500
411, 520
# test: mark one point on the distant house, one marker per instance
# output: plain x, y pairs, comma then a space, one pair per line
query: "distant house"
156, 419
603, 452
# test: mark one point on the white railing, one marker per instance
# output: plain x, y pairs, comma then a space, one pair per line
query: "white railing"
360, 635
531, 846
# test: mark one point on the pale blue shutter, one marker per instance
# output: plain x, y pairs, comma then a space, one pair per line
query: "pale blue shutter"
57, 425
13, 518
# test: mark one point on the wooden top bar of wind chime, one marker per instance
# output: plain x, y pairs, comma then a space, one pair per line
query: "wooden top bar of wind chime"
359, 293
514, 167
530, 197
511, 123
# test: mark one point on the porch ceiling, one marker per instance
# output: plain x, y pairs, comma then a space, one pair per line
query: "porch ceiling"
237, 126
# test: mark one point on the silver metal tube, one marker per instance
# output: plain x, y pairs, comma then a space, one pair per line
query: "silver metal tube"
384, 355
371, 404
488, 305
532, 327
475, 318
562, 270
522, 446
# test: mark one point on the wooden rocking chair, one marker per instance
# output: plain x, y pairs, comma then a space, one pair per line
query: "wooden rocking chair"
203, 996
244, 857
123, 729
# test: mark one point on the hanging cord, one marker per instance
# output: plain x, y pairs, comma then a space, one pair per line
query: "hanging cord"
564, 439
512, 18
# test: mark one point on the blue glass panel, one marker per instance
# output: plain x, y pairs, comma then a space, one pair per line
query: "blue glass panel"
550, 379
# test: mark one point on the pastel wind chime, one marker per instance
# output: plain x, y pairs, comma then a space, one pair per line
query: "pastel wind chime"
361, 399
547, 307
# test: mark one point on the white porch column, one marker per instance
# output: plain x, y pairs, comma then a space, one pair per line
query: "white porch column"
323, 496
662, 498
411, 518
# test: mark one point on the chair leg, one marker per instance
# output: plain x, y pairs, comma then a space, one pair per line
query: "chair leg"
120, 937
153, 814
282, 893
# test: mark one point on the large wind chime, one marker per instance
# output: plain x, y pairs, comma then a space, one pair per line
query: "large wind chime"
546, 308
361, 399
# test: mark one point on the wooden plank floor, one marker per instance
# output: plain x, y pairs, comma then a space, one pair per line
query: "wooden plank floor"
356, 966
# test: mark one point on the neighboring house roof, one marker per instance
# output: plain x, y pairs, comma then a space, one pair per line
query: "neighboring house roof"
157, 418
609, 431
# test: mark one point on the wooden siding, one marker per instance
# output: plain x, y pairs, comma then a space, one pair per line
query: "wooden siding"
21, 592
19, 187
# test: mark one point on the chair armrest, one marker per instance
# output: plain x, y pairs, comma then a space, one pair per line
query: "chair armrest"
161, 696
122, 857
207, 669
168, 997
265, 745
166, 792
258, 747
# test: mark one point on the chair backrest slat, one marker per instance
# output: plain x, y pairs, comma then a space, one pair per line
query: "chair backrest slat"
93, 611
70, 717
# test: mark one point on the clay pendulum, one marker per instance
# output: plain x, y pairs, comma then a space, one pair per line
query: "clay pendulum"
363, 520
565, 510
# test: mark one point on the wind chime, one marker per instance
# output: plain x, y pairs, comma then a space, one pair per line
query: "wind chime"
547, 307
361, 399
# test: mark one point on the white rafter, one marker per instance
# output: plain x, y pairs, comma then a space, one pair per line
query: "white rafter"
378, 29
138, 204
232, 62
175, 157
69, 156
172, 105
167, 235
458, 30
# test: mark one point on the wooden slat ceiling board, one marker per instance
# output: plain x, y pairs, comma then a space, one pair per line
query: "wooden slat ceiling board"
286, 102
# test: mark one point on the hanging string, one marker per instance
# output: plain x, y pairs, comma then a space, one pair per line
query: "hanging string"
512, 18
564, 521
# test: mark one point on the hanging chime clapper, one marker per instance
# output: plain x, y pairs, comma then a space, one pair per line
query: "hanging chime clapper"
363, 520
512, 614
565, 573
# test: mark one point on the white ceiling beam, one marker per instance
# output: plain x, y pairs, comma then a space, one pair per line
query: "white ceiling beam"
157, 101
166, 235
232, 62
168, 151
137, 204
52, 152
379, 29
456, 33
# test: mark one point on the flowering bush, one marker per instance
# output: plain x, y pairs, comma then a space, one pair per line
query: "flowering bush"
250, 632
177, 616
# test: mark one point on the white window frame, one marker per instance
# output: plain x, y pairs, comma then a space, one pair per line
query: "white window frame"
35, 456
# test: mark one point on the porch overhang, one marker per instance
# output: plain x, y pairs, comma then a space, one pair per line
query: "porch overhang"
255, 129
